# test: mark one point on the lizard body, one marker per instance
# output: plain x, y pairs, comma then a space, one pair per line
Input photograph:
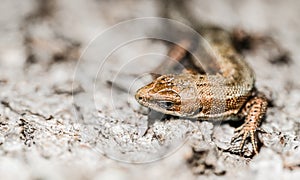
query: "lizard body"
225, 92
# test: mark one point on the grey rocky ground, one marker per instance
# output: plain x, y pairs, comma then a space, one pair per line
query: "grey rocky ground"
59, 119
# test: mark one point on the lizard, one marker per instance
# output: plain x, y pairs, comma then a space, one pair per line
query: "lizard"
226, 92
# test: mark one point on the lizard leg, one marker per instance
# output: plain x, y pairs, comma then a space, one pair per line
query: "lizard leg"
176, 54
180, 59
254, 111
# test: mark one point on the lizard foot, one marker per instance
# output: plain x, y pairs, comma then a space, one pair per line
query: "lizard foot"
245, 131
254, 111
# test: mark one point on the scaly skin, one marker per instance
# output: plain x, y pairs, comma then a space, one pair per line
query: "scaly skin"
226, 92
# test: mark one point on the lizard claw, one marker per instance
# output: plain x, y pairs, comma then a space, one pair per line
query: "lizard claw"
245, 131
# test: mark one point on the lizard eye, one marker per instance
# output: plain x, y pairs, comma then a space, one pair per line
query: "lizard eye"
165, 104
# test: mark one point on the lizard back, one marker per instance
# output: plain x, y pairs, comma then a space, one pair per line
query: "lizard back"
218, 94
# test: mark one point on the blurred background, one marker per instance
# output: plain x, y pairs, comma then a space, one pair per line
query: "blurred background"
41, 43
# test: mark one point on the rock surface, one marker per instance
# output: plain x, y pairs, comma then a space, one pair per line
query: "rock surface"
67, 113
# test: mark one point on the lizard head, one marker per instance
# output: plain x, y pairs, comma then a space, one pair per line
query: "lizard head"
176, 95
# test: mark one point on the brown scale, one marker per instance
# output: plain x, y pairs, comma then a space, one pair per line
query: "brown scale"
235, 103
